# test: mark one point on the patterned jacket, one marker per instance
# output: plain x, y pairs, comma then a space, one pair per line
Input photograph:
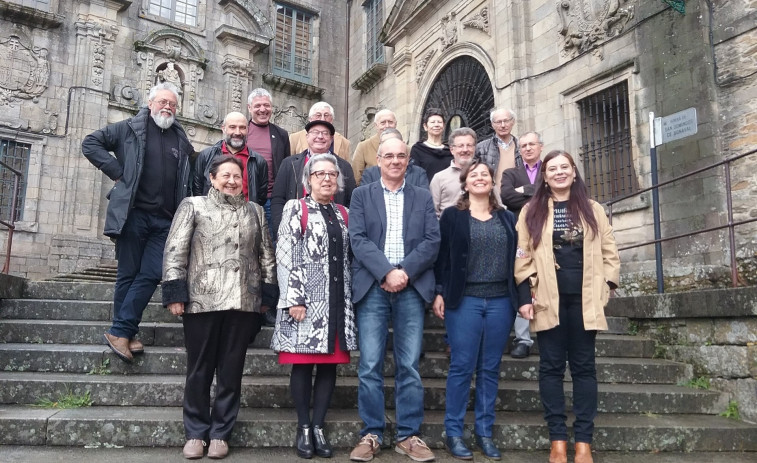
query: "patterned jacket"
219, 256
303, 270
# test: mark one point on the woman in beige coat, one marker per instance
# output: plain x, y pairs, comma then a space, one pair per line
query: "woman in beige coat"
218, 270
567, 252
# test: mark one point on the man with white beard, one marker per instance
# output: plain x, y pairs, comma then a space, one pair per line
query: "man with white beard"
147, 156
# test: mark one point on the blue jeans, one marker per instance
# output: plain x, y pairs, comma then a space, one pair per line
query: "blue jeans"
406, 311
477, 330
568, 340
139, 250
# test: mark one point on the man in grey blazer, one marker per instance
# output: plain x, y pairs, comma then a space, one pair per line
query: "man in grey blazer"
395, 239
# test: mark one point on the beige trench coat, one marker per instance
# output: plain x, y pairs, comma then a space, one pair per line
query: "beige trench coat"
601, 264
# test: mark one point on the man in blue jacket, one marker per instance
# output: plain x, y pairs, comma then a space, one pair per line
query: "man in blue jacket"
147, 156
395, 238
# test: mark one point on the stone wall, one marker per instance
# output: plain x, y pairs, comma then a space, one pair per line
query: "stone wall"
714, 331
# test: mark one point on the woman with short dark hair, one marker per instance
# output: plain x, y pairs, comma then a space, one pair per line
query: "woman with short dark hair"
432, 154
567, 253
218, 271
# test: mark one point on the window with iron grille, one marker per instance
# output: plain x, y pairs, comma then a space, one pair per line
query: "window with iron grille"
293, 44
181, 11
15, 155
606, 143
374, 11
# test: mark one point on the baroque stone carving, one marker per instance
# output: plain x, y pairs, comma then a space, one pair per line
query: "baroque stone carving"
289, 118
98, 63
479, 21
588, 23
238, 73
127, 93
24, 70
422, 64
449, 30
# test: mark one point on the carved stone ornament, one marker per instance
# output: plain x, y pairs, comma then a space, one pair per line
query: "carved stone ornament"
422, 64
127, 93
289, 118
237, 72
24, 70
479, 21
588, 23
449, 30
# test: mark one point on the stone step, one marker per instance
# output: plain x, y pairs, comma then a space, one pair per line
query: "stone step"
171, 335
263, 362
162, 426
273, 391
84, 309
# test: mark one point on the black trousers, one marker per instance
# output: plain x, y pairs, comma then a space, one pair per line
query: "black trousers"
216, 345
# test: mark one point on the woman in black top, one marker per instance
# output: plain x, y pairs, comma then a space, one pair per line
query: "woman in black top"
477, 298
432, 154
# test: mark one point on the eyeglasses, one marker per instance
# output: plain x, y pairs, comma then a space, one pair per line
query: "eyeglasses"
503, 121
461, 146
321, 174
320, 133
392, 157
163, 103
322, 116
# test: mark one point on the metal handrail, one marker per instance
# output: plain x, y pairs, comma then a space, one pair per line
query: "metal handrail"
726, 163
12, 224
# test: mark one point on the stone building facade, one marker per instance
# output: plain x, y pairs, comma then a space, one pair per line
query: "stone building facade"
583, 73
70, 67
586, 74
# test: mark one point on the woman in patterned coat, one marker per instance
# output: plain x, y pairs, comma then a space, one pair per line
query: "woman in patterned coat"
315, 324
218, 271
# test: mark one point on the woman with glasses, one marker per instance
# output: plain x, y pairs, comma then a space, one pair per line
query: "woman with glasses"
315, 324
432, 154
476, 298
567, 253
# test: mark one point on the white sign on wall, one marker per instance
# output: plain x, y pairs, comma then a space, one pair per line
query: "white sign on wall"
676, 126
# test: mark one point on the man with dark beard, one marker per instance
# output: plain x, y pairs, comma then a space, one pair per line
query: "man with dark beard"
234, 143
148, 158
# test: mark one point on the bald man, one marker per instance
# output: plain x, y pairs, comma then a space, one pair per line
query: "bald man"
365, 152
321, 111
234, 143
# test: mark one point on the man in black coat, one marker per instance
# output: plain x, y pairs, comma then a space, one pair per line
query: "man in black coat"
148, 158
288, 183
234, 143
518, 186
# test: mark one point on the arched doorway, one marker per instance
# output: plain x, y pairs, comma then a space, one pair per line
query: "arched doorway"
463, 92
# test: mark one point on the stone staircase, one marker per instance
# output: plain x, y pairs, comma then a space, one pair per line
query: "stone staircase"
52, 345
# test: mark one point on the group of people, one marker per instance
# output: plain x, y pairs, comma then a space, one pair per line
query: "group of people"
268, 223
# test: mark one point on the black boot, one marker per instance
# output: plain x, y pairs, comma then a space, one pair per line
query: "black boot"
322, 446
304, 442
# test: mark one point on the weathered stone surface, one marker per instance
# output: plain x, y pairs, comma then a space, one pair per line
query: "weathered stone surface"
11, 286
732, 302
722, 361
23, 425
743, 391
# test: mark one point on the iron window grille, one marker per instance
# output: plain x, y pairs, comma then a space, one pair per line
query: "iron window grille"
606, 144
293, 44
374, 12
15, 155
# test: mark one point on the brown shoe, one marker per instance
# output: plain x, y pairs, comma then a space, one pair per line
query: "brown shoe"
120, 346
559, 452
136, 346
583, 453
415, 448
367, 447
193, 449
218, 449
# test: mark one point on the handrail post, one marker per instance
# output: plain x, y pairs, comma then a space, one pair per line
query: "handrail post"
655, 205
731, 230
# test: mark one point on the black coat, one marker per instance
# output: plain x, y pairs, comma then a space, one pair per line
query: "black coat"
512, 179
451, 269
257, 174
288, 185
118, 150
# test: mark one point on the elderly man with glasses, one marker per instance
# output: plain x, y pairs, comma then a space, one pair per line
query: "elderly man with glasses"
321, 111
147, 156
288, 184
501, 151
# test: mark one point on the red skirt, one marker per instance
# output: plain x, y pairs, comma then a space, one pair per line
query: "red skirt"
339, 356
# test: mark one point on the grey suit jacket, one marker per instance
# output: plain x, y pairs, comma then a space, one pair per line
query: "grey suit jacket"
368, 225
